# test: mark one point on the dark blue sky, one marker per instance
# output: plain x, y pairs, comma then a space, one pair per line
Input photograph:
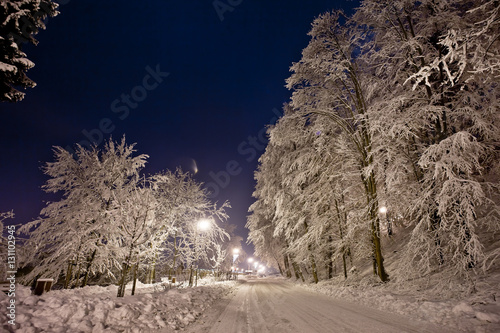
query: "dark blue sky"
101, 69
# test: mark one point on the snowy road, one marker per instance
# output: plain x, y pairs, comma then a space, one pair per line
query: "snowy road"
274, 305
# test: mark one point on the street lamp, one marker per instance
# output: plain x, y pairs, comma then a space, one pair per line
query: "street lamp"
201, 226
383, 210
204, 225
236, 253
250, 261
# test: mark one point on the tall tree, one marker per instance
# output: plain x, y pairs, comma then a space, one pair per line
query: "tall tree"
329, 82
436, 121
181, 204
137, 226
80, 230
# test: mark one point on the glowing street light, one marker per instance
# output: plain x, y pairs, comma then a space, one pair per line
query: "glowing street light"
203, 225
236, 253
250, 261
383, 210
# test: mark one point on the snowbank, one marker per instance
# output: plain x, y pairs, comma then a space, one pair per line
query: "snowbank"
479, 314
97, 309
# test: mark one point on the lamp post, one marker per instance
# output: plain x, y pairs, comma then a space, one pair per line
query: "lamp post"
201, 226
250, 261
383, 210
236, 253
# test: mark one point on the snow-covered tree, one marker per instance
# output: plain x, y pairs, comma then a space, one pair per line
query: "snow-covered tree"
181, 204
111, 219
330, 82
397, 104
80, 231
435, 69
20, 20
306, 178
137, 226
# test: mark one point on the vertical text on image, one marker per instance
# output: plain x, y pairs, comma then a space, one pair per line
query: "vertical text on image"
11, 273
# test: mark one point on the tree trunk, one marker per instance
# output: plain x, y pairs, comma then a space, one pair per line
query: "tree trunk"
435, 226
69, 272
152, 269
153, 273
123, 280
329, 259
314, 268
77, 284
342, 218
136, 266
287, 266
345, 265
125, 270
175, 254
89, 264
191, 276
375, 226
378, 252
311, 257
297, 270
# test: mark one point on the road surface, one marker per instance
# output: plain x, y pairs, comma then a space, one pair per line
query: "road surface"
275, 305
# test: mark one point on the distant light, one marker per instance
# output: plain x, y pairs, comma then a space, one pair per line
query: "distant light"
383, 209
250, 260
236, 251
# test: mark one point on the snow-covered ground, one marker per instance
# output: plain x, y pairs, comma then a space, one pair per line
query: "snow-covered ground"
258, 305
97, 309
279, 306
477, 313
454, 305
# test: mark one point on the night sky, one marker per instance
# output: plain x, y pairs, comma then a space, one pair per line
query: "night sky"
178, 78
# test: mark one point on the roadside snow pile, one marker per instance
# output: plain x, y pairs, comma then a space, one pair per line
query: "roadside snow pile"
97, 309
474, 314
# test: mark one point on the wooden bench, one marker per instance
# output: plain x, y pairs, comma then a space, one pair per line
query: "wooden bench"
43, 285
